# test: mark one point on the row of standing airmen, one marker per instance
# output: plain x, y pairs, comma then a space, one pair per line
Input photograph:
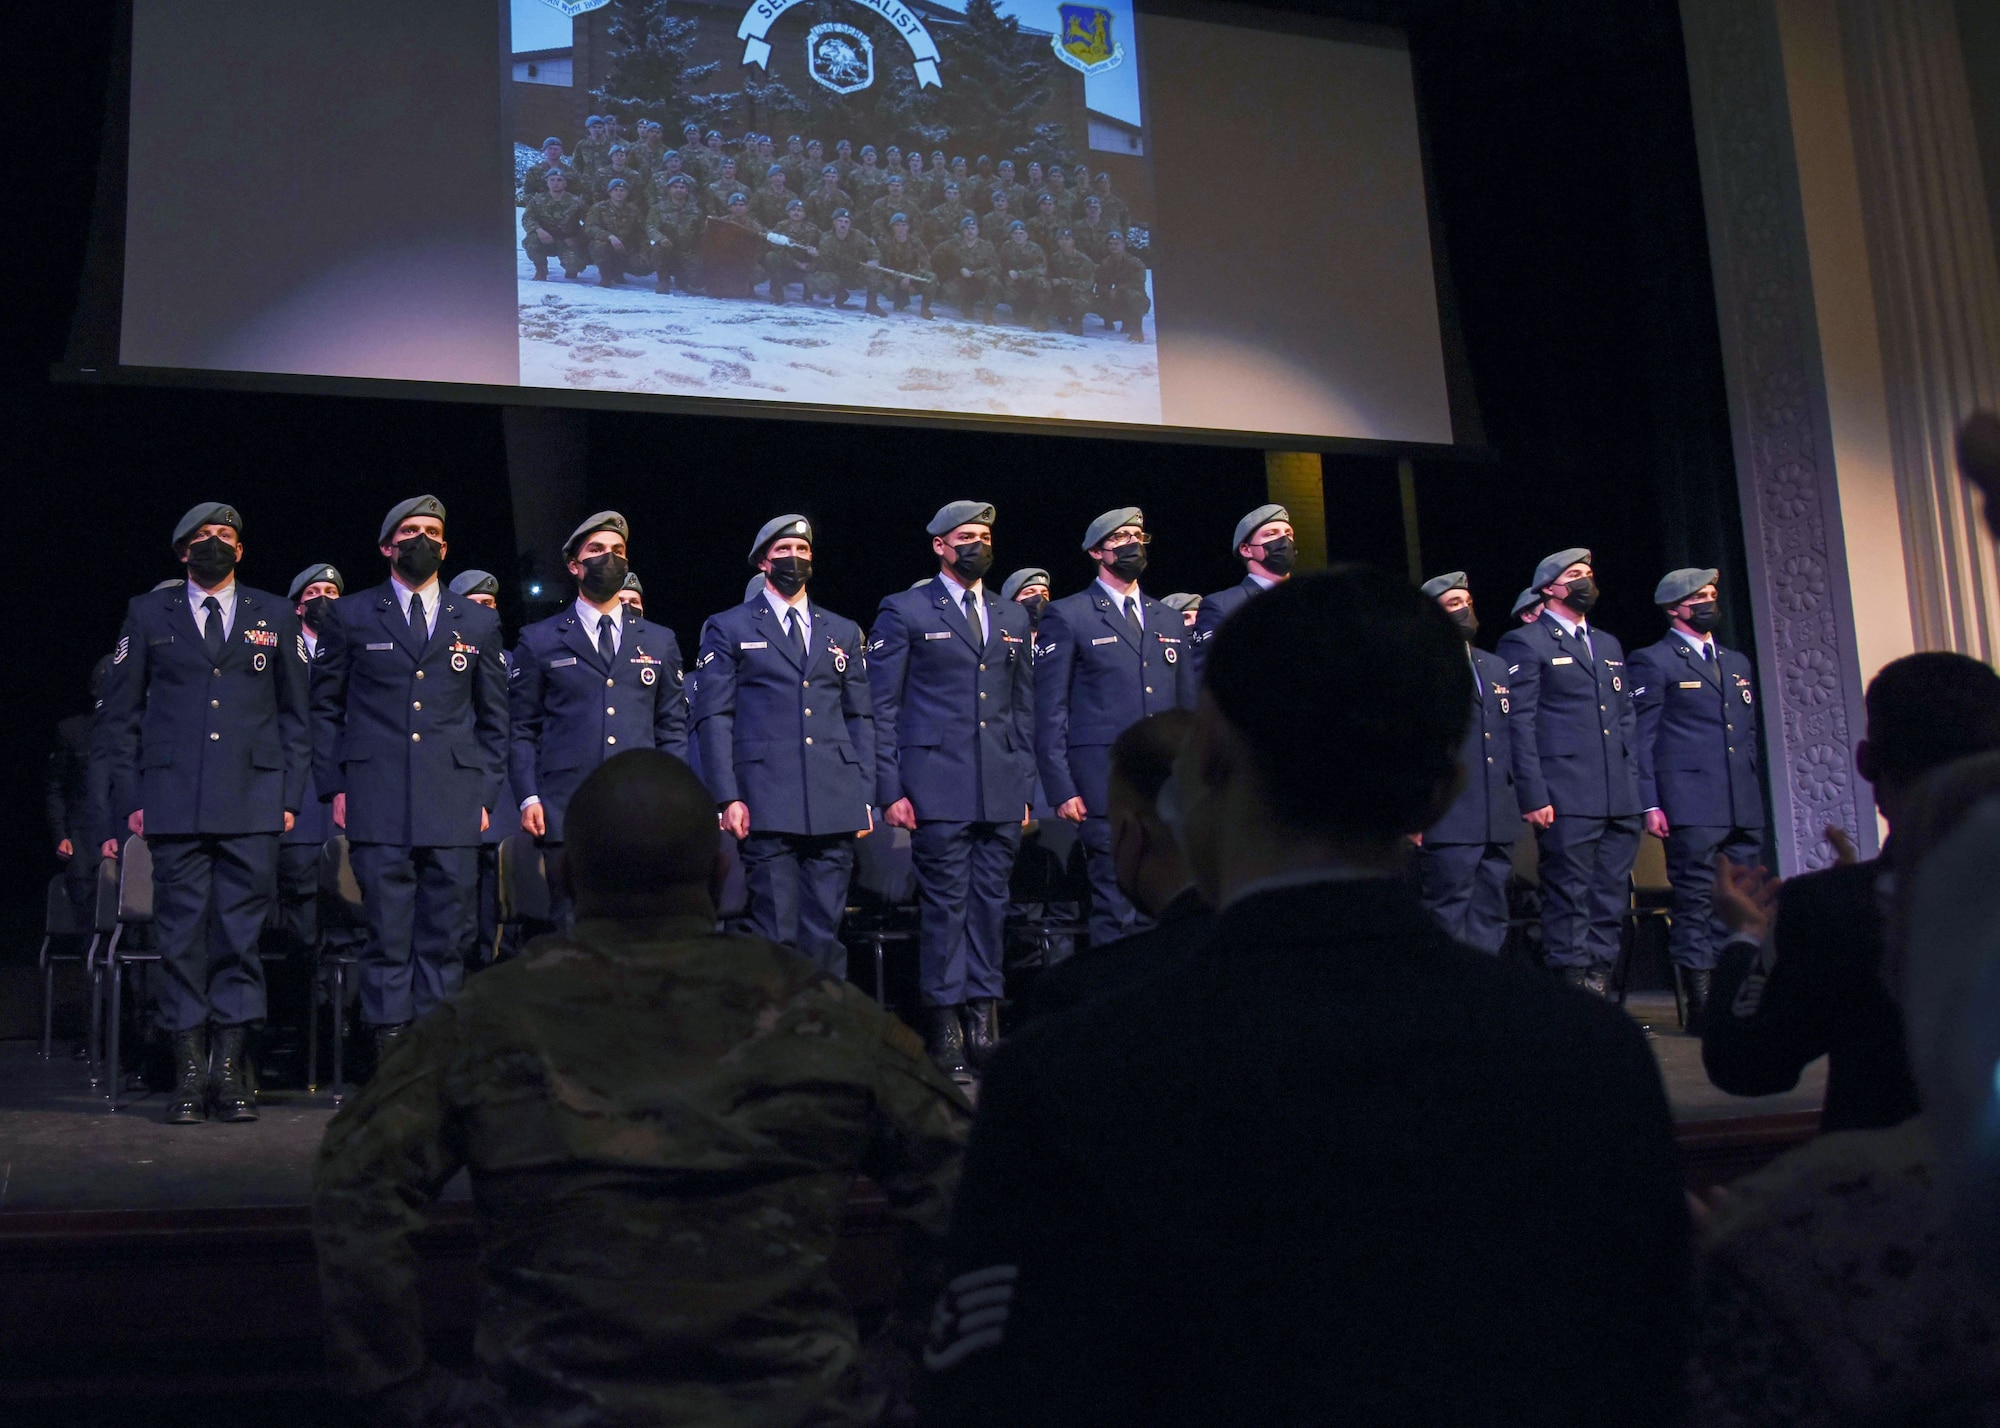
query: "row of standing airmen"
239, 730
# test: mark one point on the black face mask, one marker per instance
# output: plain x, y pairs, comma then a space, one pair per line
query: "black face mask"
1581, 594
1128, 562
972, 560
789, 573
1704, 617
603, 576
1034, 605
1280, 555
418, 558
210, 560
634, 612
318, 611
1467, 622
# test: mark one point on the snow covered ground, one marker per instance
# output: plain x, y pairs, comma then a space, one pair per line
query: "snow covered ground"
632, 339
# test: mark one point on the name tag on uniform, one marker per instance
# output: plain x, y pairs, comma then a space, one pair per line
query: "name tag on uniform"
1563, 659
937, 634
155, 641
1107, 640
754, 645
562, 663
1690, 684
389, 646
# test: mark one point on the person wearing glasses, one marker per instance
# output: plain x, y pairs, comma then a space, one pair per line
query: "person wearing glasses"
1105, 658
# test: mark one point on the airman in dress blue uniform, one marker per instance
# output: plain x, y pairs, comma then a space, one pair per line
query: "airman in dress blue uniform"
1696, 705
786, 729
951, 671
312, 590
586, 684
410, 744
482, 587
203, 737
1268, 547
1465, 857
1575, 767
1105, 658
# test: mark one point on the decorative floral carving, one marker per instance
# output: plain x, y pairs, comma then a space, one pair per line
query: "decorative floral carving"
1811, 679
1820, 773
1799, 586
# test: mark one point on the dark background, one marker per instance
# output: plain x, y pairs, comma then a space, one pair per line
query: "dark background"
1570, 220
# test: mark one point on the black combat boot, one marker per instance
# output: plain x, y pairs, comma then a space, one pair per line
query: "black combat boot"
1572, 976
1597, 982
229, 1091
1695, 987
189, 1107
982, 1031
946, 1043
386, 1040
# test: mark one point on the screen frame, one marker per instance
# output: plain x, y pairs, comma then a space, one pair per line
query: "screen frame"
91, 355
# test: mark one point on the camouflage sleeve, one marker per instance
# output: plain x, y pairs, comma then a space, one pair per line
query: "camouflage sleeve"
385, 1157
922, 1124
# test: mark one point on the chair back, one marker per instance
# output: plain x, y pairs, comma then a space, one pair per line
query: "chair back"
1649, 871
885, 870
59, 913
339, 890
104, 915
523, 879
135, 881
1527, 857
734, 901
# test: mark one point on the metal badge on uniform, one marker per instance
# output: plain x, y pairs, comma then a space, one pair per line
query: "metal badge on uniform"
1617, 685
1173, 655
562, 663
258, 660
839, 659
458, 664
1559, 659
647, 675
1746, 693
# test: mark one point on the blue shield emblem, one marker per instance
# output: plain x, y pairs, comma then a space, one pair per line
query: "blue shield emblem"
840, 58
1083, 39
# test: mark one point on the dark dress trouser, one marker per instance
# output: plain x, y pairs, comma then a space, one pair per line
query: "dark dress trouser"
1464, 886
963, 872
1586, 871
211, 895
798, 892
1696, 938
420, 916
1112, 915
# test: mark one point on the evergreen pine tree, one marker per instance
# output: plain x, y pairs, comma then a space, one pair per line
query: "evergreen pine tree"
996, 80
650, 76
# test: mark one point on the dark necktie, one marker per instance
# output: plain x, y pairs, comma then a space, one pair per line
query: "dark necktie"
795, 629
605, 651
211, 628
1132, 617
418, 628
972, 616
1707, 654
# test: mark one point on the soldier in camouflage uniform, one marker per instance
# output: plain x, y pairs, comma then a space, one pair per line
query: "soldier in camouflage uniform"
1090, 229
1024, 281
968, 270
906, 253
843, 160
1072, 282
617, 229
1057, 184
552, 227
867, 180
1115, 211
703, 163
1121, 288
674, 228
672, 165
716, 195
620, 166
1046, 224
1037, 180
1017, 196
941, 222
774, 200
662, 1125
892, 162
813, 166
535, 180
792, 261
650, 148
794, 164
845, 263
917, 183
829, 196
999, 218
593, 154
883, 210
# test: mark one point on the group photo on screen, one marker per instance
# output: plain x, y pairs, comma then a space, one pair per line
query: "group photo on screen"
945, 205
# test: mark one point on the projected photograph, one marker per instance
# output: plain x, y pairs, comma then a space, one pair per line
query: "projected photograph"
931, 205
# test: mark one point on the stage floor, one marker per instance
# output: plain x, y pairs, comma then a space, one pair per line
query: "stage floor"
61, 1150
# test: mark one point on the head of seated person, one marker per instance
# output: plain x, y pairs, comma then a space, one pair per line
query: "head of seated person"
1144, 854
1327, 731
1925, 711
640, 842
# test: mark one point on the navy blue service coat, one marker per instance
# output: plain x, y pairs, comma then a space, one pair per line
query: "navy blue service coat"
1697, 734
1486, 809
204, 746
414, 734
1574, 728
792, 738
571, 713
1213, 611
954, 719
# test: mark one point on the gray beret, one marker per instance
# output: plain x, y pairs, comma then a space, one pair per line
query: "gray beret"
1679, 584
602, 521
961, 513
1182, 602
920, 584
1436, 586
753, 589
207, 512
1263, 515
475, 582
312, 575
170, 585
1530, 596
1110, 521
415, 506
793, 525
1551, 569
1021, 579
632, 584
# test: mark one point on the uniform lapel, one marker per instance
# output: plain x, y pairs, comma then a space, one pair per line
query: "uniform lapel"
398, 625
441, 627
584, 647
181, 617
1114, 616
946, 599
776, 635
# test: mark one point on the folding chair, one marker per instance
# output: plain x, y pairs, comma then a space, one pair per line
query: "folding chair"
883, 895
1049, 871
524, 884
59, 919
103, 922
1649, 901
338, 909
135, 907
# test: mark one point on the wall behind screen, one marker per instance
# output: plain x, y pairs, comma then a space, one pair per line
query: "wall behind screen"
321, 189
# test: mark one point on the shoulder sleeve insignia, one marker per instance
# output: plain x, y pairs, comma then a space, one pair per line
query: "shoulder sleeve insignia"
1513, 669
304, 658
124, 649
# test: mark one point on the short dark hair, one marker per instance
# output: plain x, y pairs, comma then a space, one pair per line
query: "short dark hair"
1144, 754
1353, 694
1925, 710
638, 827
